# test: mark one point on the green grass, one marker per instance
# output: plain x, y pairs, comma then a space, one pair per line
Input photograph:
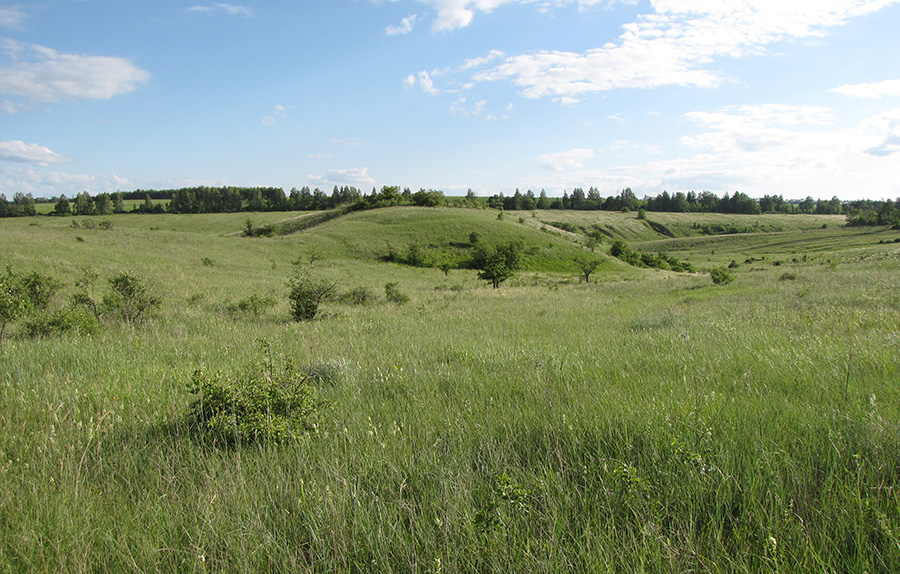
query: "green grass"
647, 421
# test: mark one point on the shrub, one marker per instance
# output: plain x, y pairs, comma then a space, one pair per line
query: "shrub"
130, 299
13, 302
66, 320
307, 293
359, 296
272, 405
721, 276
394, 295
255, 305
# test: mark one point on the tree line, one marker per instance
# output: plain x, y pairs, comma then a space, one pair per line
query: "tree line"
257, 199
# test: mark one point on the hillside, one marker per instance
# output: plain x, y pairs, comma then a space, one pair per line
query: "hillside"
645, 421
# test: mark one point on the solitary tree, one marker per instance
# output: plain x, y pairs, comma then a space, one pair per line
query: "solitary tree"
587, 265
497, 264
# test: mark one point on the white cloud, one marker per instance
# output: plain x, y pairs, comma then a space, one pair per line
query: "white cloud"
870, 90
427, 84
354, 177
405, 27
22, 152
562, 160
410, 81
229, 9
43, 74
455, 14
11, 16
677, 43
790, 150
50, 183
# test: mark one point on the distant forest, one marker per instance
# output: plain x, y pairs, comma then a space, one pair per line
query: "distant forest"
256, 199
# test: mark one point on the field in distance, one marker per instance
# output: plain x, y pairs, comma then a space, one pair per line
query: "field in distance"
646, 420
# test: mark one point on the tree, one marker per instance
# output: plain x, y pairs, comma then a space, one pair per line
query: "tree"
497, 264
84, 205
587, 265
118, 202
103, 204
62, 206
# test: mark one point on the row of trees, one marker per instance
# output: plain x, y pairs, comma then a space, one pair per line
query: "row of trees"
257, 199
705, 201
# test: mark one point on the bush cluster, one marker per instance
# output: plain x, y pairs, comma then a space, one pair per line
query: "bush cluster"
620, 250
269, 405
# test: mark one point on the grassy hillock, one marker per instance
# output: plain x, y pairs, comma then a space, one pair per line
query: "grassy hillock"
645, 421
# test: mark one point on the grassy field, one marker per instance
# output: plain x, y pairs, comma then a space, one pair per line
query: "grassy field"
647, 421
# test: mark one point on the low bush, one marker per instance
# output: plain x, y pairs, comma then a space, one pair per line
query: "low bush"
273, 404
307, 293
394, 295
721, 276
359, 296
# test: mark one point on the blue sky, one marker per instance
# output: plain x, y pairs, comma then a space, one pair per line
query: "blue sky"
781, 97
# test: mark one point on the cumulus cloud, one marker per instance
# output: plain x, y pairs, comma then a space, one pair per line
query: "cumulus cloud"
229, 9
22, 152
43, 74
405, 26
676, 43
354, 176
566, 159
870, 90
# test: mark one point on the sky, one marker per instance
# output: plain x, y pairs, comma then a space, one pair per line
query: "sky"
780, 97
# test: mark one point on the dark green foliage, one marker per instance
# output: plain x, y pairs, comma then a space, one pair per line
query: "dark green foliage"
270, 405
39, 289
394, 295
359, 296
130, 299
307, 293
72, 319
13, 301
620, 250
497, 264
721, 276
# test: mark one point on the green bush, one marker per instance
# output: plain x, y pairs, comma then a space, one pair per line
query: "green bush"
307, 293
394, 295
72, 319
359, 296
131, 299
255, 305
269, 405
721, 276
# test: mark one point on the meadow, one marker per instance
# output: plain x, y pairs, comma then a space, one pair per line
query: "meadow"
646, 421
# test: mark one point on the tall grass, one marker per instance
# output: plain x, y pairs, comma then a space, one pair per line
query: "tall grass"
654, 424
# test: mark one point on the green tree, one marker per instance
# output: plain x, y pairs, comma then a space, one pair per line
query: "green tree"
62, 206
103, 204
84, 205
497, 264
587, 265
118, 202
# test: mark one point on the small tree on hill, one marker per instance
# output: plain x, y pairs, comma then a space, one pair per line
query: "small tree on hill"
497, 264
587, 265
